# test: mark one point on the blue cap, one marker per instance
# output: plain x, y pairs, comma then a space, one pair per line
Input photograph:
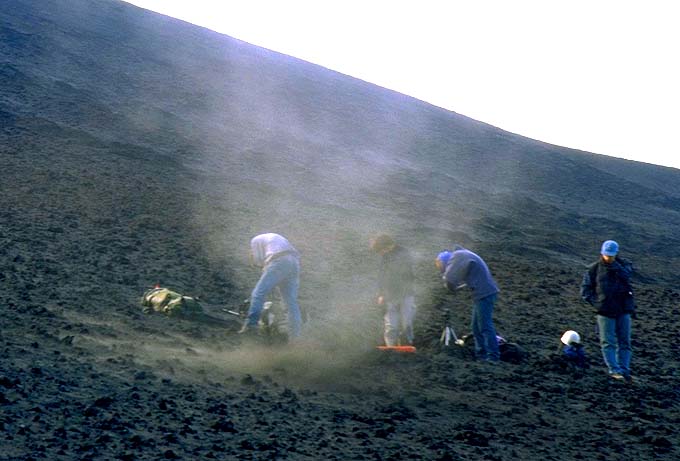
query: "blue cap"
444, 257
610, 248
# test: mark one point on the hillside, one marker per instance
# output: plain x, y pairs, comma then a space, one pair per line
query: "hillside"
137, 149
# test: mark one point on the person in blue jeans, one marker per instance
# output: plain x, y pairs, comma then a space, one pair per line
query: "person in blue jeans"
280, 263
606, 286
462, 268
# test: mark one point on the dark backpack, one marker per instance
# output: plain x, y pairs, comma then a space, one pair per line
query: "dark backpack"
511, 352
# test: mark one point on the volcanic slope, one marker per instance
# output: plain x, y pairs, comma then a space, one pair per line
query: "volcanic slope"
137, 149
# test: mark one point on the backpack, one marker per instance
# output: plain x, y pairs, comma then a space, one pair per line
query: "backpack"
170, 303
511, 352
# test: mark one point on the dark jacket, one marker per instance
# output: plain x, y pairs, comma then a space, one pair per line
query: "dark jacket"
607, 287
396, 275
465, 268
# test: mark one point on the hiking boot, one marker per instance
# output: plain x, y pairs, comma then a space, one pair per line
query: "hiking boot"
247, 330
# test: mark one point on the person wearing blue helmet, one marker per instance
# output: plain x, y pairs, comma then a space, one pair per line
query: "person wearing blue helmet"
606, 286
462, 268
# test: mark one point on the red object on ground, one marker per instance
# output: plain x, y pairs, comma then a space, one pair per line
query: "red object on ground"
397, 348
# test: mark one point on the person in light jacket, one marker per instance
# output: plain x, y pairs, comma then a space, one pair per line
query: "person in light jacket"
462, 268
280, 263
395, 290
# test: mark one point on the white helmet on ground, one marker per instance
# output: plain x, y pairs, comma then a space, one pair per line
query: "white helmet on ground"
570, 337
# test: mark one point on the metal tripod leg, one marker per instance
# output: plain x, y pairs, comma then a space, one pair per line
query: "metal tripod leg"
449, 334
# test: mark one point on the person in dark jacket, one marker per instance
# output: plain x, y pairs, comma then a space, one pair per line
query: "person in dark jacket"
395, 290
606, 286
463, 268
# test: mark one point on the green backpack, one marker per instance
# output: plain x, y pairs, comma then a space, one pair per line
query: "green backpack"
170, 303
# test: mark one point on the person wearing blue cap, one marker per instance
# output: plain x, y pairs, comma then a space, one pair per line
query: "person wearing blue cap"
606, 286
395, 290
462, 268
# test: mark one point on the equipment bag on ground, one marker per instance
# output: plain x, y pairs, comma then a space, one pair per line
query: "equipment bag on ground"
170, 303
509, 352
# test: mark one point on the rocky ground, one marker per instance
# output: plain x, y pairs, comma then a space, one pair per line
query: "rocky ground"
122, 386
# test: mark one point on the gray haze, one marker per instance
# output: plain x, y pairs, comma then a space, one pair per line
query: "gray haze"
257, 142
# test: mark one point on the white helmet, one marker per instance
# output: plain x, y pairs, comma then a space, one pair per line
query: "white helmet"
570, 337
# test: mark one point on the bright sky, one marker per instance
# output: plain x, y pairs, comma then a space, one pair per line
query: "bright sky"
597, 75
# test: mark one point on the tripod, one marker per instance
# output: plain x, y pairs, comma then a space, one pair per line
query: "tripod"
448, 333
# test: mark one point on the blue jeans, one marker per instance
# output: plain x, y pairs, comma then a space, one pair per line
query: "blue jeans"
284, 273
483, 330
615, 342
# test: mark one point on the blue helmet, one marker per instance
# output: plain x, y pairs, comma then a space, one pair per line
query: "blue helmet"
444, 257
610, 248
